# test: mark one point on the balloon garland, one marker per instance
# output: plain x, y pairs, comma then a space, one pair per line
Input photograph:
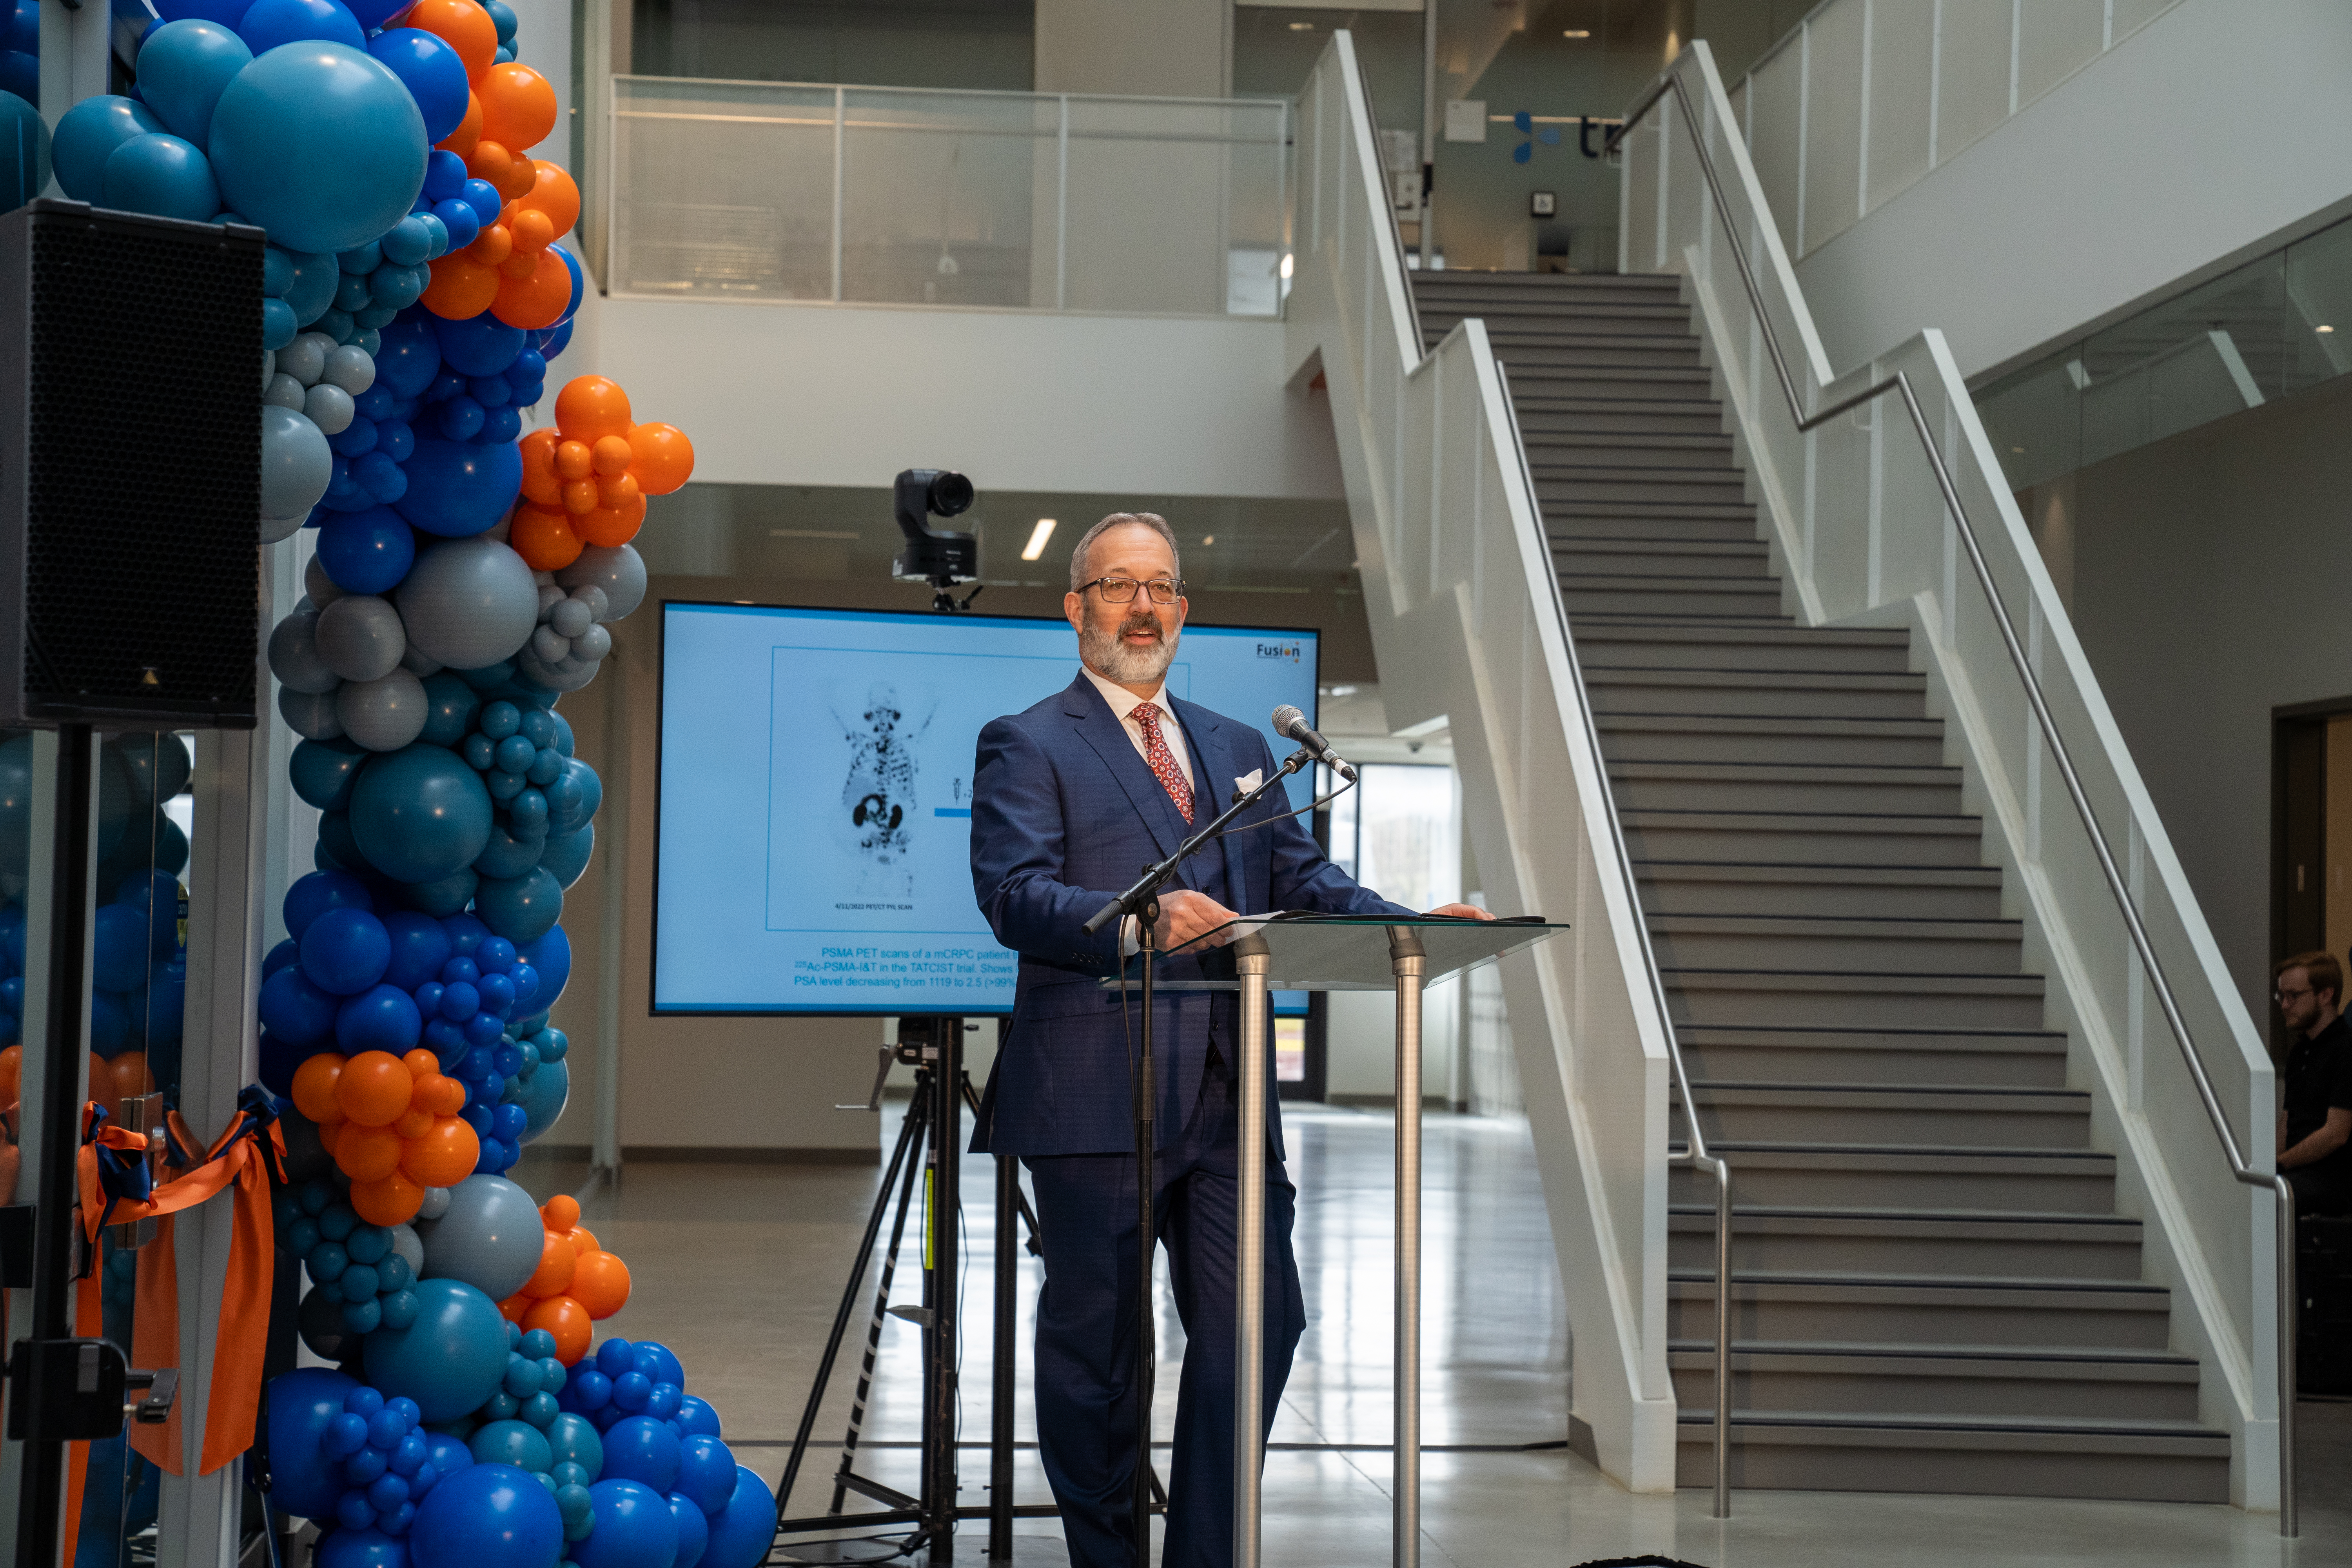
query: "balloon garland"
465, 577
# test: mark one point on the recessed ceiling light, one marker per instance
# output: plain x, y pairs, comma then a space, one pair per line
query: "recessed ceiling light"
2017, 448
1302, 26
1208, 539
1037, 537
1577, 33
2323, 328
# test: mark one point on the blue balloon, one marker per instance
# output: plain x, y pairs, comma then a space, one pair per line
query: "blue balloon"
87, 136
740, 1538
345, 951
183, 67
643, 1450
266, 24
450, 1360
579, 293
479, 345
20, 29
323, 771
320, 144
458, 490
25, 134
696, 1417
119, 956
110, 1024
420, 814
693, 1531
303, 1404
484, 198
544, 1095
659, 1362
296, 1011
366, 551
280, 1059
419, 948
367, 1548
485, 1516
314, 895
227, 13
381, 1018
634, 1528
410, 356
162, 176
432, 73
706, 1472
521, 909
554, 341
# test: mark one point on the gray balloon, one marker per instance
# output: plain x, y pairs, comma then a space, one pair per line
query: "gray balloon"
305, 359
490, 1238
294, 655
328, 408
617, 569
310, 714
592, 644
436, 1204
554, 679
416, 664
469, 603
383, 715
268, 367
569, 617
350, 368
283, 391
321, 587
274, 528
296, 462
405, 1241
359, 638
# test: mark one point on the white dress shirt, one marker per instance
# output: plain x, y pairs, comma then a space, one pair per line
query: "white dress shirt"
1124, 703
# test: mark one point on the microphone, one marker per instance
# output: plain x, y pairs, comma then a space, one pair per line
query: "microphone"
1290, 722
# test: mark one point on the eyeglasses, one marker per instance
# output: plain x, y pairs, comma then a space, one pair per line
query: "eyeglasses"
1121, 590
2284, 997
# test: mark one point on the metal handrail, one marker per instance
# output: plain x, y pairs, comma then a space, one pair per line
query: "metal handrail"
1695, 1150
1900, 383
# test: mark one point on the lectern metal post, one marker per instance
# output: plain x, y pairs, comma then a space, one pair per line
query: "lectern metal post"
1254, 961
1408, 959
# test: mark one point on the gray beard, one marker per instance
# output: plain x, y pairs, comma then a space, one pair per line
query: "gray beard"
1114, 660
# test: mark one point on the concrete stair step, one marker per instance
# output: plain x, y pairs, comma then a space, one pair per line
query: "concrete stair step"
1973, 1383
1665, 448
1890, 1113
1832, 1000
2015, 1059
1802, 838
1854, 892
1786, 944
1851, 1176
1586, 556
1508, 332
1785, 786
1779, 739
1690, 384
1713, 648
1560, 512
1808, 694
1884, 1309
1962, 1243
1532, 291
2149, 1462
1638, 530
1638, 487
1749, 598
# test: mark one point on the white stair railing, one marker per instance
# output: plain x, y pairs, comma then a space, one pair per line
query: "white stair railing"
1884, 503
1467, 623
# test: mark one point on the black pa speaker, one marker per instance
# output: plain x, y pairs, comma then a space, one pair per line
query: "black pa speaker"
129, 470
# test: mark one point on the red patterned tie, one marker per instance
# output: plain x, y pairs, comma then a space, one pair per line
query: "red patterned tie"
1163, 762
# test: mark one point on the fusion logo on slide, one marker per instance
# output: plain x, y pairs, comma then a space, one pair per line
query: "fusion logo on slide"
1282, 652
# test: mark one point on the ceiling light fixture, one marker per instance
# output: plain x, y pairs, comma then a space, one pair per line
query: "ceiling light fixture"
1037, 537
1208, 539
2323, 328
1302, 26
1577, 33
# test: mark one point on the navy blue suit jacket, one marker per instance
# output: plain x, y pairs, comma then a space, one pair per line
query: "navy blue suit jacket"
1064, 816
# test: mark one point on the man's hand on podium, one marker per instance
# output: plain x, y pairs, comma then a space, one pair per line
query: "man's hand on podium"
1185, 914
1463, 912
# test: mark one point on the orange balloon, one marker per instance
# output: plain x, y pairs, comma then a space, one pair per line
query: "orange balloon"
561, 1212
574, 460
413, 1123
538, 300
540, 482
422, 1064
579, 497
469, 130
543, 538
314, 1088
394, 1200
567, 1320
521, 263
600, 1284
590, 406
130, 1079
444, 1154
462, 288
101, 1086
518, 106
610, 456
618, 493
514, 1307
661, 457
12, 1074
494, 246
557, 1264
509, 175
368, 1154
609, 526
533, 230
375, 1089
449, 1098
554, 194
583, 1239
465, 26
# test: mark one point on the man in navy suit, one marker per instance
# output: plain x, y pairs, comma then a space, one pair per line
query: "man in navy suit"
1070, 800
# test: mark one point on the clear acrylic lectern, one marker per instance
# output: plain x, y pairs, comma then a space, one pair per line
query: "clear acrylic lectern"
1335, 952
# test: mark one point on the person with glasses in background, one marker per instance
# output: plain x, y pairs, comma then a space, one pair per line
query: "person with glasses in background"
2315, 1122
1070, 800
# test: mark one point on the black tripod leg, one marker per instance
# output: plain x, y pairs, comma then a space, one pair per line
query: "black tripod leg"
1001, 1371
918, 1118
1146, 1105
907, 1135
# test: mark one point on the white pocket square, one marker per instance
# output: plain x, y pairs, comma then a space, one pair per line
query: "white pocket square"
1249, 781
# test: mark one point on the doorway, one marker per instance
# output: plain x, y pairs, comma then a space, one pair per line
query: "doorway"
2311, 828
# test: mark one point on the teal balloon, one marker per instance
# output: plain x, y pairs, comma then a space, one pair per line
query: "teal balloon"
320, 145
183, 67
573, 1439
324, 773
16, 804
163, 175
447, 896
24, 152
544, 1095
516, 1443
420, 814
520, 909
87, 136
450, 1360
566, 855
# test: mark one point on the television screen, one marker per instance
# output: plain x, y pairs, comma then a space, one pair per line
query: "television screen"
779, 887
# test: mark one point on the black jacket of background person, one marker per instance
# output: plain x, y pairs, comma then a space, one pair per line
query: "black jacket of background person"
2319, 1076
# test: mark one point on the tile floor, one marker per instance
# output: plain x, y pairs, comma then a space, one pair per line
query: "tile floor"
740, 1268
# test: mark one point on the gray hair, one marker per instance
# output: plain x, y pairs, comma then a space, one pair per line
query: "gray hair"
1150, 520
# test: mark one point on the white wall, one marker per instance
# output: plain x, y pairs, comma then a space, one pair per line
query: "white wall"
1153, 49
2196, 142
826, 395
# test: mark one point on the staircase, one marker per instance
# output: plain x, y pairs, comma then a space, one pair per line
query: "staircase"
1932, 1289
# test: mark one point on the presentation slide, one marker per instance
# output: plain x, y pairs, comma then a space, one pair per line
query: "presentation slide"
813, 846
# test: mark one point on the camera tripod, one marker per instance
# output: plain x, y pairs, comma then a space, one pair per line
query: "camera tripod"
933, 1047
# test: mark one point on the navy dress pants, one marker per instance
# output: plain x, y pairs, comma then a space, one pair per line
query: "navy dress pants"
1087, 1333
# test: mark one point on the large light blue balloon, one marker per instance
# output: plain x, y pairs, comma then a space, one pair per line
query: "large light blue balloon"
24, 152
320, 145
88, 136
450, 1360
162, 175
183, 67
297, 464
